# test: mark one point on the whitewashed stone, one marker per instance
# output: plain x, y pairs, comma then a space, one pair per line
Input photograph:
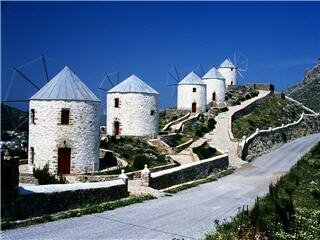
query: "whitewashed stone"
134, 114
217, 86
186, 97
230, 74
81, 135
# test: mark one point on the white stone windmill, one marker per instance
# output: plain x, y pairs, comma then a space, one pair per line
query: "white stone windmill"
63, 126
216, 85
133, 109
192, 94
230, 70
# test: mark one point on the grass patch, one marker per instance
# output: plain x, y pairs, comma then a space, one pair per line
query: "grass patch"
5, 224
271, 113
291, 209
195, 183
205, 151
137, 152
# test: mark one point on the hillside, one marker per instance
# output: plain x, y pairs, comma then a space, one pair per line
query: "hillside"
271, 113
12, 117
291, 209
308, 91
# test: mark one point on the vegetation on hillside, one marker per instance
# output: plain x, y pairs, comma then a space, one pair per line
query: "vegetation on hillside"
272, 113
137, 152
12, 118
44, 177
205, 151
241, 93
308, 91
194, 130
168, 116
291, 209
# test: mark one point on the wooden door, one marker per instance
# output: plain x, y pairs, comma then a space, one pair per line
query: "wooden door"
194, 107
64, 155
214, 96
116, 128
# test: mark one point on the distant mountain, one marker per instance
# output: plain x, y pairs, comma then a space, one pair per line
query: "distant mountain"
13, 118
308, 91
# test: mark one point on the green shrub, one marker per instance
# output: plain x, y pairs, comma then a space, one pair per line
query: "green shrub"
140, 161
44, 177
211, 123
205, 151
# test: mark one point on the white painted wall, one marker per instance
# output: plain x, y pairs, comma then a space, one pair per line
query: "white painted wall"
229, 74
186, 97
81, 135
134, 114
218, 86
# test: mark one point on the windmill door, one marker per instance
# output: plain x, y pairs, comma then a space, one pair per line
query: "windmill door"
213, 96
64, 160
116, 128
194, 107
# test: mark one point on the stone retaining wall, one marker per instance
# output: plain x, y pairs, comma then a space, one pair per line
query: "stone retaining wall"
188, 172
36, 204
263, 140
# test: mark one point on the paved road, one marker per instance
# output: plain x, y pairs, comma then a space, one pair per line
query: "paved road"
188, 214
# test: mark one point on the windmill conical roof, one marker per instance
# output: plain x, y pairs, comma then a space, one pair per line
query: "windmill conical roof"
191, 79
213, 73
227, 64
133, 84
66, 85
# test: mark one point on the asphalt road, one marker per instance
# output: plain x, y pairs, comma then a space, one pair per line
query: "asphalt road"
186, 215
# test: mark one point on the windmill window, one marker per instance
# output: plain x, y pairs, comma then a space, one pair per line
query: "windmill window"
231, 69
152, 112
194, 89
32, 115
65, 113
32, 155
116, 102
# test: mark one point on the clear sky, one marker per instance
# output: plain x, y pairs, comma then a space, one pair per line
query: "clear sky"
280, 40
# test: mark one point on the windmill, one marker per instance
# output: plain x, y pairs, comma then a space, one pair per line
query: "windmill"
173, 79
241, 63
19, 71
109, 81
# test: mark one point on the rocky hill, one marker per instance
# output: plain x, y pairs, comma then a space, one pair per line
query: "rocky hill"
12, 118
308, 91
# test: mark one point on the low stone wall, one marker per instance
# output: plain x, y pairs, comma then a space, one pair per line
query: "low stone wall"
261, 86
9, 178
262, 140
188, 172
183, 146
168, 138
31, 204
166, 127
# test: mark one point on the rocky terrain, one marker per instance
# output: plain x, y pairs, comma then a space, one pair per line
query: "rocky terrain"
308, 91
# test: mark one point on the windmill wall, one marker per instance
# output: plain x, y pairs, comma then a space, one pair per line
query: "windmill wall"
229, 75
218, 86
81, 135
133, 114
186, 97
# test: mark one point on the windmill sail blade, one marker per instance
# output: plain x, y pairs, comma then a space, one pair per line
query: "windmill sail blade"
240, 74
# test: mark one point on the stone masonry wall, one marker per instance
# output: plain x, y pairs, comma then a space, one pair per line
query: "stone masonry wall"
186, 97
271, 139
37, 204
188, 172
81, 134
134, 114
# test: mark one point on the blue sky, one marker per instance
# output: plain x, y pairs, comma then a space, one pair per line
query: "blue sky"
280, 39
